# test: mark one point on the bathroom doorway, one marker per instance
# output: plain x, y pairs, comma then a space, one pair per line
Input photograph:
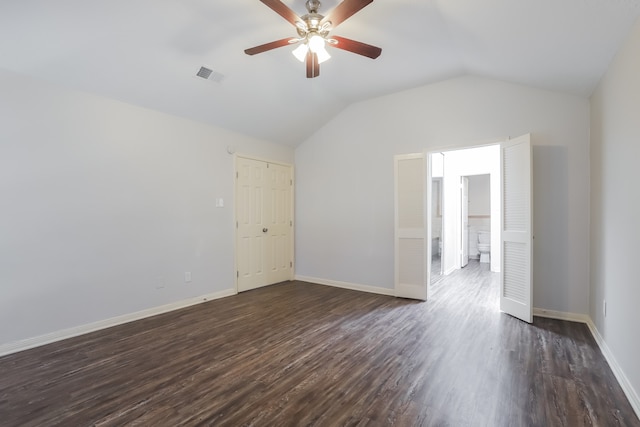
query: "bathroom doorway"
465, 201
475, 221
510, 167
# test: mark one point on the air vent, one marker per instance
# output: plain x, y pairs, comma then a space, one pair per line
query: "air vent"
204, 72
209, 74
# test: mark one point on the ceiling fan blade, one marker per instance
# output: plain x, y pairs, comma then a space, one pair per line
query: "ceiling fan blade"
356, 47
316, 65
283, 10
313, 66
268, 46
344, 10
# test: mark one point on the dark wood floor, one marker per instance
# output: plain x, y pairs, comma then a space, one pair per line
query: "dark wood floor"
303, 354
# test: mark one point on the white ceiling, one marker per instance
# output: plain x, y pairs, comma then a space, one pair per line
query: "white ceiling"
147, 52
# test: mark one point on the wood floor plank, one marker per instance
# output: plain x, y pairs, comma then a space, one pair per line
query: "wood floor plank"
298, 354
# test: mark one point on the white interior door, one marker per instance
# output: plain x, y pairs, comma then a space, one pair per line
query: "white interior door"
279, 253
464, 223
516, 291
264, 244
411, 249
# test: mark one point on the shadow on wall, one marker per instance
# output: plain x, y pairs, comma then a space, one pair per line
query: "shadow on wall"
550, 226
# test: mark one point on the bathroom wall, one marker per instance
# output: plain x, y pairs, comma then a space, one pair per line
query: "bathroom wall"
479, 195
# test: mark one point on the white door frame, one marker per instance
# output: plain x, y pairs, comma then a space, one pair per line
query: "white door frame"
450, 243
451, 221
236, 156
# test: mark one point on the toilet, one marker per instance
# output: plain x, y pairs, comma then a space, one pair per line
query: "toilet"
484, 245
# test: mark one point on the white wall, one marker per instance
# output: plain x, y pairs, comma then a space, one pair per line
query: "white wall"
102, 202
479, 195
615, 209
344, 190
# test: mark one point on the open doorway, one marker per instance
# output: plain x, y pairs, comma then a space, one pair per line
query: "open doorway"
476, 219
465, 210
511, 232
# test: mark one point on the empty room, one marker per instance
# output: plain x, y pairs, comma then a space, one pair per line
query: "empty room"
347, 212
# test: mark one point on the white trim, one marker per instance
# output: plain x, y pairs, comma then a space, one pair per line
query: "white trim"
449, 271
14, 347
481, 143
627, 388
561, 315
625, 384
261, 159
347, 285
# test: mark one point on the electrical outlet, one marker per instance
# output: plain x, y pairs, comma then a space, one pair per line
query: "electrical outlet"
187, 276
604, 307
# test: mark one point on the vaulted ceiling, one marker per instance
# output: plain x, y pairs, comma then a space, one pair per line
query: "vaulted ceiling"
147, 52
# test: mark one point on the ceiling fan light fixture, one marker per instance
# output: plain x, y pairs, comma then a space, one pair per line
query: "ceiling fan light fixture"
301, 52
316, 43
323, 55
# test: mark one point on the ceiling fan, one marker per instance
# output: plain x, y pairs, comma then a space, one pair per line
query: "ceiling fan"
313, 33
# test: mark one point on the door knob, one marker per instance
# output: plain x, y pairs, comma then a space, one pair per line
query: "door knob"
264, 230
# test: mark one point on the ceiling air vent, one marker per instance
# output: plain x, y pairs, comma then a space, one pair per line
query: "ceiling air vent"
204, 72
209, 74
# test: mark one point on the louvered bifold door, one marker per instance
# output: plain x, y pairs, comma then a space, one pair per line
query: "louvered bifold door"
410, 232
516, 291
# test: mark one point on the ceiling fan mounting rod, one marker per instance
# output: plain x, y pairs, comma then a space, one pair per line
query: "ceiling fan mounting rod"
313, 5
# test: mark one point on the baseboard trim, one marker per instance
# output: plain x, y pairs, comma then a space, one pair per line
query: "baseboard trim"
449, 271
561, 315
26, 344
627, 388
624, 382
347, 285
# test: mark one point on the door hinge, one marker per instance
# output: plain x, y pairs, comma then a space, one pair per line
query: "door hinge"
291, 264
237, 175
290, 223
237, 274
267, 165
290, 182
